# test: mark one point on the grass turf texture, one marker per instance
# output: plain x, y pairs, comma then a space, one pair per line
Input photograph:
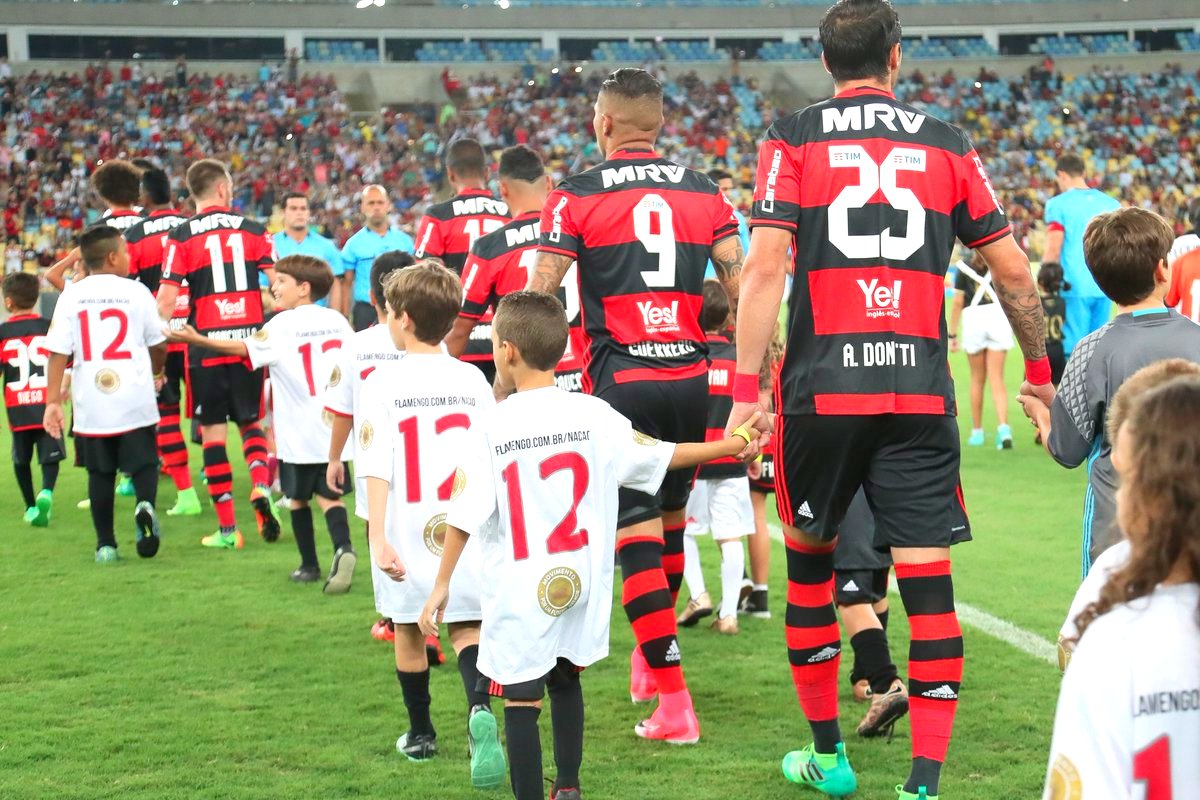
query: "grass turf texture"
208, 674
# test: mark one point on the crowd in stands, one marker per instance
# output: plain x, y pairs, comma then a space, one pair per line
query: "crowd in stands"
285, 132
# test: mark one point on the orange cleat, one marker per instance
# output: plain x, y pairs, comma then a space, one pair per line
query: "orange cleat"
382, 631
433, 649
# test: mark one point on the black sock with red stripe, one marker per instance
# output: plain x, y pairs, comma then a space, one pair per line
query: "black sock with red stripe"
254, 449
524, 744
415, 688
673, 558
647, 602
566, 713
468, 670
220, 484
171, 447
934, 668
814, 640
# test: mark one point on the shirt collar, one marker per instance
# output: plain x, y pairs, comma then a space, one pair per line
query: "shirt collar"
859, 91
632, 153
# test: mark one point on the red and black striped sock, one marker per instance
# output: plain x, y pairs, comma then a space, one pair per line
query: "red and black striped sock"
254, 448
647, 602
814, 641
935, 666
171, 447
220, 483
672, 558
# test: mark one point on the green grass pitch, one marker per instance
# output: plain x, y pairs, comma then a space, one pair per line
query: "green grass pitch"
208, 675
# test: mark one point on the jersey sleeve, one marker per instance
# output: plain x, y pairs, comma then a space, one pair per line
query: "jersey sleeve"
978, 216
60, 338
1056, 218
475, 508
1108, 562
349, 260
1077, 413
641, 461
265, 258
1091, 748
339, 392
479, 286
152, 326
334, 258
559, 232
175, 267
725, 221
373, 455
430, 238
264, 347
777, 182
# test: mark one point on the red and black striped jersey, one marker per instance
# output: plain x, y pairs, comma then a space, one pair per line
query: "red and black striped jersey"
722, 364
449, 229
499, 264
641, 229
219, 254
122, 220
875, 192
22, 348
147, 241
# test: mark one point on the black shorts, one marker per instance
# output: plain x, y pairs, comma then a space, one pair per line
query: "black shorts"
176, 373
302, 481
488, 368
671, 411
908, 465
563, 674
765, 483
857, 587
226, 393
856, 546
128, 452
49, 449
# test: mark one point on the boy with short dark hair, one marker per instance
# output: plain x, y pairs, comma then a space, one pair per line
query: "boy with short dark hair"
538, 496
300, 345
1126, 251
23, 351
116, 182
109, 325
415, 417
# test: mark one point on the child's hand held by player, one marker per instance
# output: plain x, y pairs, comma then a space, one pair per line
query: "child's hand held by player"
187, 335
435, 609
53, 420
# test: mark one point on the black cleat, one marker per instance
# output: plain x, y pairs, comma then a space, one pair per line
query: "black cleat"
306, 575
756, 605
147, 530
417, 746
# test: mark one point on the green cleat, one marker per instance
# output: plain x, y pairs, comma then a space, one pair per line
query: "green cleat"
488, 768
45, 502
107, 555
187, 504
224, 541
920, 795
31, 514
829, 773
85, 504
125, 487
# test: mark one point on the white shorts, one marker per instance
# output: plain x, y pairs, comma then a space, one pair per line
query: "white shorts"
720, 506
360, 497
984, 327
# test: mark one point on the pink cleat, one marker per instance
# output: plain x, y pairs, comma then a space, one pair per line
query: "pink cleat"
642, 685
673, 722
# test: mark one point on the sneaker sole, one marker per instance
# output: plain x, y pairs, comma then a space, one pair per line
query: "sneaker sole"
1006, 445
148, 543
644, 734
488, 767
187, 512
642, 699
341, 574
693, 620
888, 717
268, 524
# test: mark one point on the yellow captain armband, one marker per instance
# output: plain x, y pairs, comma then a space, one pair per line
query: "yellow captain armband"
741, 431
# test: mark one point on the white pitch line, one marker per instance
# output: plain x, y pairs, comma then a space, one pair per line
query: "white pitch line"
1026, 641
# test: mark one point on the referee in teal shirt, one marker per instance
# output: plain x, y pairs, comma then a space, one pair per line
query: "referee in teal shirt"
296, 239
375, 238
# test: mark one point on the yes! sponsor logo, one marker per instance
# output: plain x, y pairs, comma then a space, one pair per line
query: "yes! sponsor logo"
882, 299
659, 318
230, 309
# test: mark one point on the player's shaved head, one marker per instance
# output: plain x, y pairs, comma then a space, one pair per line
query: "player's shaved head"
374, 188
633, 100
466, 159
96, 243
521, 163
204, 176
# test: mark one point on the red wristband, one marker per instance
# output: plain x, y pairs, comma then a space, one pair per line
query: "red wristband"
745, 388
1037, 371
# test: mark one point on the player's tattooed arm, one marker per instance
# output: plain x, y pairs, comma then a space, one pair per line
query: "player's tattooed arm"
727, 258
548, 272
1018, 294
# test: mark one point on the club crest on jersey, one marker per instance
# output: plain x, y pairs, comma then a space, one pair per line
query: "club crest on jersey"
260, 335
434, 534
335, 377
558, 590
644, 440
327, 417
460, 483
366, 435
1065, 783
108, 381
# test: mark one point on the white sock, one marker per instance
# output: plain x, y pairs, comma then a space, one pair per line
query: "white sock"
693, 575
733, 562
760, 587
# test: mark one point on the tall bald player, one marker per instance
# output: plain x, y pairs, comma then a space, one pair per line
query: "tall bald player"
643, 229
